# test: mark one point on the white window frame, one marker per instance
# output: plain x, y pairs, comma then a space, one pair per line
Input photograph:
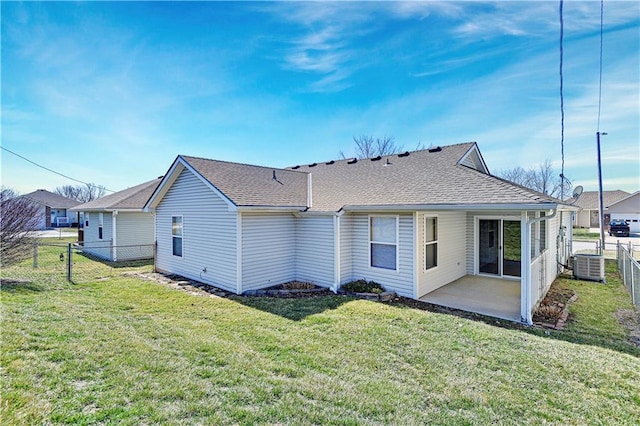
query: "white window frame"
100, 226
396, 244
427, 243
181, 236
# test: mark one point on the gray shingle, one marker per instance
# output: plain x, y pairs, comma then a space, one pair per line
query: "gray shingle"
50, 199
130, 198
248, 185
589, 200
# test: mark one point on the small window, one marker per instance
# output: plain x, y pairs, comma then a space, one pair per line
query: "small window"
383, 242
86, 222
100, 219
176, 235
431, 242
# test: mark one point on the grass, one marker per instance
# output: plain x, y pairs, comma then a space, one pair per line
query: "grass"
584, 234
128, 351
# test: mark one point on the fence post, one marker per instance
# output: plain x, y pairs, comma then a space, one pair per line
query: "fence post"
633, 285
35, 255
69, 262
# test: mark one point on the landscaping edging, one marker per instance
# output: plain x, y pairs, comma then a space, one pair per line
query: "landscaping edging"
385, 296
284, 292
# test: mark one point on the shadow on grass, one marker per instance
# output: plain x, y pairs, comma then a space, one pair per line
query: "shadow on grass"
295, 309
112, 264
21, 286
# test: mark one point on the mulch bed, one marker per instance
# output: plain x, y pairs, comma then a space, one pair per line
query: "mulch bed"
553, 311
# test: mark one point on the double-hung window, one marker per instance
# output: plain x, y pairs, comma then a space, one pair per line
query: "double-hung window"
100, 220
430, 242
176, 235
543, 233
383, 242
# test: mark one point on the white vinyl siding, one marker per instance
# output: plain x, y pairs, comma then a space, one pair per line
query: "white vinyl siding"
268, 250
452, 250
400, 280
135, 237
346, 244
209, 233
315, 250
94, 245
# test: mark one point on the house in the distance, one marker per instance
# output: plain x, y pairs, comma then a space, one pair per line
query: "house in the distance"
588, 216
432, 225
116, 228
627, 209
54, 209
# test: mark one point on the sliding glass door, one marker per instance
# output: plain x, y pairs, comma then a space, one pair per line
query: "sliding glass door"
499, 249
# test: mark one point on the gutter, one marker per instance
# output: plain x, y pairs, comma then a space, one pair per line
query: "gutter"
431, 207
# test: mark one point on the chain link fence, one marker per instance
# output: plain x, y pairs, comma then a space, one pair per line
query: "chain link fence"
629, 270
58, 263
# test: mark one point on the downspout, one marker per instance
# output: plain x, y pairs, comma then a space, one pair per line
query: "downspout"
336, 255
114, 234
527, 238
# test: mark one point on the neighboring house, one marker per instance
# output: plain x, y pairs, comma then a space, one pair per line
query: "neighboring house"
588, 216
54, 209
116, 228
627, 209
432, 225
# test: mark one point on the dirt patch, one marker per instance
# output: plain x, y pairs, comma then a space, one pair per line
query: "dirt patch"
630, 319
553, 311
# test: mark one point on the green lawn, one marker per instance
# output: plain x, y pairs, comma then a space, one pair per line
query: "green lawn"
584, 234
127, 351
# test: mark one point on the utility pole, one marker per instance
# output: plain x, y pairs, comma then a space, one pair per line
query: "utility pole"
600, 202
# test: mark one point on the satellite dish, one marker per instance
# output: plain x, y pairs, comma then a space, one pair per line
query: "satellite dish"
577, 192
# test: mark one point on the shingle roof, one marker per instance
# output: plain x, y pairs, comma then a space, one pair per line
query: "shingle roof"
248, 185
130, 198
425, 177
422, 177
589, 199
50, 199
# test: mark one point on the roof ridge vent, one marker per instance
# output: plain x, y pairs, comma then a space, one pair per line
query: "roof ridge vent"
436, 149
295, 167
313, 164
378, 158
404, 154
328, 163
352, 161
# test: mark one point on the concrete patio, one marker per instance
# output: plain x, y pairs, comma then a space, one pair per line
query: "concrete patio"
495, 297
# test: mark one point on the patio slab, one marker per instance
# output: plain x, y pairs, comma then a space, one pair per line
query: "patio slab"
495, 297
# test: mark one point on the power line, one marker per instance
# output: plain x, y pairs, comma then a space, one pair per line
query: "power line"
600, 83
48, 169
561, 102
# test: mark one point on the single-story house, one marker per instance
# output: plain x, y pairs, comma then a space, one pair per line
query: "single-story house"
54, 208
116, 227
588, 216
627, 209
432, 225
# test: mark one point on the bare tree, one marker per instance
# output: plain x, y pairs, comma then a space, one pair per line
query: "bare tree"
18, 220
369, 147
81, 193
542, 178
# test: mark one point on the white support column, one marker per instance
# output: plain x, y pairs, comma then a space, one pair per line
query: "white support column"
525, 265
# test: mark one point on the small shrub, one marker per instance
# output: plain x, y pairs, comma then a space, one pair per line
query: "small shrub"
363, 286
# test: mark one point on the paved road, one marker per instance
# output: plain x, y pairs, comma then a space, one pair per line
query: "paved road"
57, 233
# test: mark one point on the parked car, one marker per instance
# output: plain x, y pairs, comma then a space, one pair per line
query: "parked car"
619, 228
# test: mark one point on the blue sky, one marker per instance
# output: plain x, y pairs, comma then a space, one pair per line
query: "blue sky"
111, 92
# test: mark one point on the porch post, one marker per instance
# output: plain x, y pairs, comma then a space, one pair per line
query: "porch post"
525, 265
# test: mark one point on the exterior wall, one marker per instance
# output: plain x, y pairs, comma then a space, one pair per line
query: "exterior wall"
94, 245
451, 252
315, 250
134, 229
268, 250
401, 280
209, 233
583, 219
629, 211
346, 249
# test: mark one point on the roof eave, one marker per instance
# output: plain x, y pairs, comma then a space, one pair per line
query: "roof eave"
432, 207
